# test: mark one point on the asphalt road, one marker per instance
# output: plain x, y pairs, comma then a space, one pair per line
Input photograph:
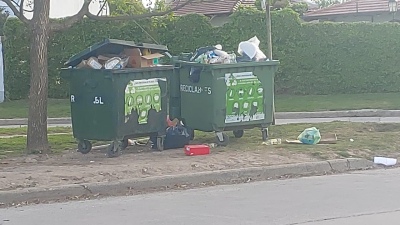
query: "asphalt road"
360, 198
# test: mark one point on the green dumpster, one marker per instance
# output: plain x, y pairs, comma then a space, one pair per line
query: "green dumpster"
117, 104
225, 97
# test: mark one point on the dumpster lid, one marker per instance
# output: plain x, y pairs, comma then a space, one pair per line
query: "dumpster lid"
110, 46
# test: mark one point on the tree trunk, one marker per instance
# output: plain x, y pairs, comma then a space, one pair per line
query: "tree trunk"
37, 141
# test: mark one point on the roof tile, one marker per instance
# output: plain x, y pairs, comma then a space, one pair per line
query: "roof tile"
210, 7
353, 6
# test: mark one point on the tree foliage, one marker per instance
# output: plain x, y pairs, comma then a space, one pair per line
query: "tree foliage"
41, 31
322, 58
126, 7
300, 7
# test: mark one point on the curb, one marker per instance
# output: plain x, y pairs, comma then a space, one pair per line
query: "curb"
24, 135
132, 186
338, 114
278, 115
24, 121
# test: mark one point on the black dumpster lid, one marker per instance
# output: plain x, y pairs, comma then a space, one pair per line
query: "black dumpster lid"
110, 46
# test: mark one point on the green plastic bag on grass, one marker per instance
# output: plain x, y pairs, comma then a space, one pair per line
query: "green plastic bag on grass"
310, 136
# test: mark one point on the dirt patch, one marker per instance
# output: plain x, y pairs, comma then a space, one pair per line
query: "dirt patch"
136, 162
358, 140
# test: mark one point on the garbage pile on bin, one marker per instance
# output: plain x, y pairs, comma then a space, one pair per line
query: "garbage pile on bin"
129, 57
248, 50
120, 90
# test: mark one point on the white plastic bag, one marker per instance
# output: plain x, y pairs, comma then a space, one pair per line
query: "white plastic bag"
258, 55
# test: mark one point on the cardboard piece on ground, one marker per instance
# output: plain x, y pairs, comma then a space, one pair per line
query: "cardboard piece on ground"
325, 139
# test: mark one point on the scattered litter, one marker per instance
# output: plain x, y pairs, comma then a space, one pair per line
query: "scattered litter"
91, 161
144, 170
351, 140
310, 136
192, 150
30, 160
385, 161
276, 141
140, 142
325, 139
211, 145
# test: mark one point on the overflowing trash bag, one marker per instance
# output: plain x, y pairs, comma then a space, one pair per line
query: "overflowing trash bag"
310, 136
209, 55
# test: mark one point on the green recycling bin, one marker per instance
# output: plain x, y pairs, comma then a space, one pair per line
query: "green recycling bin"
224, 97
116, 104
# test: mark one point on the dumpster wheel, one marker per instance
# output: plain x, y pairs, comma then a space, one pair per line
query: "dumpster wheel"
84, 146
124, 144
264, 132
191, 134
238, 133
222, 139
160, 143
113, 149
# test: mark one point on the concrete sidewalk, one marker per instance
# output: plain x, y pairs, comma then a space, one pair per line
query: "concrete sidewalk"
364, 115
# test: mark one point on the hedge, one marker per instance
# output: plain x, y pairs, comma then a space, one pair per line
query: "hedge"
316, 58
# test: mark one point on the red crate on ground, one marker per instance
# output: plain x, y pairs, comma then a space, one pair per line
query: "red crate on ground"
197, 150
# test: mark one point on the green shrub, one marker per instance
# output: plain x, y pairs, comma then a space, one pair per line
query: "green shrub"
315, 58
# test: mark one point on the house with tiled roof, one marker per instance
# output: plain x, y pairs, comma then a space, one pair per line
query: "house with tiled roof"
217, 10
355, 11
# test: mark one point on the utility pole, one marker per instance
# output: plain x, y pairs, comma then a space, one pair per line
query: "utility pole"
266, 5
